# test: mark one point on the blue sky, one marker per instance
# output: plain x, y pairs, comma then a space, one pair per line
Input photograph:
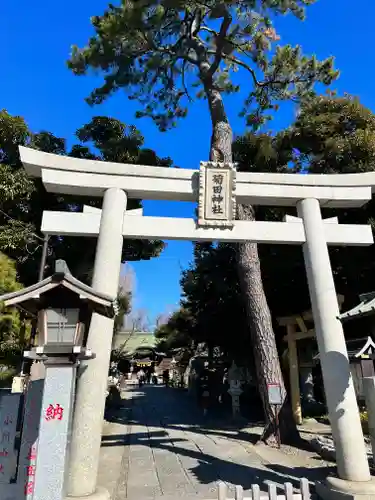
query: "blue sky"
35, 83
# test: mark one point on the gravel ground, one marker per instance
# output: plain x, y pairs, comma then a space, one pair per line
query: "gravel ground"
304, 457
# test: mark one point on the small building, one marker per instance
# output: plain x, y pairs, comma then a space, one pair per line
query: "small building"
136, 350
302, 356
360, 353
362, 358
300, 352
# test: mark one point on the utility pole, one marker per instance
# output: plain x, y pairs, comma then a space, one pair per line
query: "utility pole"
43, 259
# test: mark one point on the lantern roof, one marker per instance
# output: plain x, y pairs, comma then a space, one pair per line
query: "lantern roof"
60, 290
366, 307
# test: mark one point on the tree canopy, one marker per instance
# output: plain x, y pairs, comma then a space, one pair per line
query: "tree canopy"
330, 135
337, 135
23, 199
164, 53
13, 328
176, 332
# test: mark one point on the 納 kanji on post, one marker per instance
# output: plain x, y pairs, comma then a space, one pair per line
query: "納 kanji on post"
54, 412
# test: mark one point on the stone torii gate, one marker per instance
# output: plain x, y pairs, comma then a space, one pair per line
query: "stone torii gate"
217, 187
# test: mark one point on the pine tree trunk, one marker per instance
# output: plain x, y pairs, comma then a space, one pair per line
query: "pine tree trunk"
267, 362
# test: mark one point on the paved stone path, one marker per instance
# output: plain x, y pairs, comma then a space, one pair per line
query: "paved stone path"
160, 445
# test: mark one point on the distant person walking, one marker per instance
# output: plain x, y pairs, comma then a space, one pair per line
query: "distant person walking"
166, 378
141, 377
204, 391
205, 401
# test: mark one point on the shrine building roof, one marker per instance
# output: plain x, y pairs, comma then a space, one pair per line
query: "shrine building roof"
366, 307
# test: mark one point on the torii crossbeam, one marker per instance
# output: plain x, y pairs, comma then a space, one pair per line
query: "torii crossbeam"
171, 228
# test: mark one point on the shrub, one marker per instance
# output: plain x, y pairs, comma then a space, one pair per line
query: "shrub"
364, 421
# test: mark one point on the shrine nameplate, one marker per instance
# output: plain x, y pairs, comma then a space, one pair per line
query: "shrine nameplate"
217, 200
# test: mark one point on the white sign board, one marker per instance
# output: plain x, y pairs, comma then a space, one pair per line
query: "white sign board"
274, 394
9, 405
217, 200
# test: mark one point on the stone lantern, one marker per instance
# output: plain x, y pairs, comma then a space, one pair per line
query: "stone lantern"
235, 390
63, 306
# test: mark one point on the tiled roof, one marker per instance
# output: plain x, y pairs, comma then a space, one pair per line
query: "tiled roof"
364, 308
134, 340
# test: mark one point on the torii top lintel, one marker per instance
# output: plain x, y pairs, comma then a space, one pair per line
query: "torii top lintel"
93, 178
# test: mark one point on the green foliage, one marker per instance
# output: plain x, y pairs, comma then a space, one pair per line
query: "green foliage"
118, 142
330, 135
15, 186
123, 302
13, 330
212, 297
210, 286
334, 135
337, 135
283, 272
211, 293
364, 421
13, 131
160, 51
8, 275
176, 332
211, 310
23, 199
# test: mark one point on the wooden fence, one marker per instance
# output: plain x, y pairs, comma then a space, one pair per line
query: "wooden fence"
272, 494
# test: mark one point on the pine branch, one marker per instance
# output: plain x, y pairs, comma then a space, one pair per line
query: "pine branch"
220, 41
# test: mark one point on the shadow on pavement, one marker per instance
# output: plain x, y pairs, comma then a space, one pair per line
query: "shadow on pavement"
166, 409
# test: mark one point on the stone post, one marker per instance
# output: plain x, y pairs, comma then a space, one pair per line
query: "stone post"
54, 429
351, 457
369, 390
92, 378
235, 391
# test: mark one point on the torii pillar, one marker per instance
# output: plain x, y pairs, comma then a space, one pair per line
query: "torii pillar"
351, 456
91, 387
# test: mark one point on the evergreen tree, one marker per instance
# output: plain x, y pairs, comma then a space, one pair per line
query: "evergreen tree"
23, 199
337, 135
14, 329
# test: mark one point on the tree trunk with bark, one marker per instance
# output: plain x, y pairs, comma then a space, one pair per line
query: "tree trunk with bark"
267, 362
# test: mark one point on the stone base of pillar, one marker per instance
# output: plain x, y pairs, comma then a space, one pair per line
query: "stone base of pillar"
334, 488
99, 494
